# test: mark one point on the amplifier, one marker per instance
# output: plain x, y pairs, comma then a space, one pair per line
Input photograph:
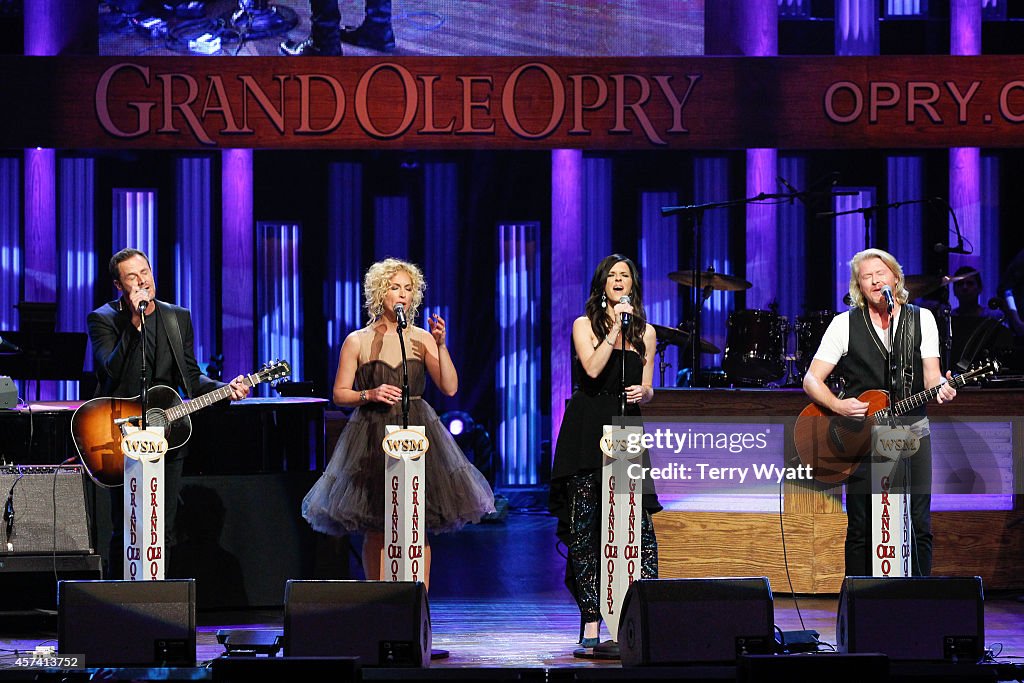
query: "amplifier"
44, 510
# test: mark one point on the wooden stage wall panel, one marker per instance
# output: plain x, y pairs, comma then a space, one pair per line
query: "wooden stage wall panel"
985, 543
707, 544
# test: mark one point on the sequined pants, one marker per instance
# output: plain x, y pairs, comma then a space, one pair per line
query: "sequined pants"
584, 544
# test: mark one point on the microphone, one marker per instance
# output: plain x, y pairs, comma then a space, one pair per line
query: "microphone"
889, 300
400, 314
144, 304
941, 248
792, 190
625, 316
834, 176
9, 346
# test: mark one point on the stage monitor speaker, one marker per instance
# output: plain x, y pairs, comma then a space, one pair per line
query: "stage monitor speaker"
683, 621
384, 623
912, 618
44, 510
128, 623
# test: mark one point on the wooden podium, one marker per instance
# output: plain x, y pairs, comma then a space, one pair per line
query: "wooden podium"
405, 505
144, 451
891, 527
621, 514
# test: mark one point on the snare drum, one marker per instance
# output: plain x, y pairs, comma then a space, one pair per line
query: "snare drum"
755, 347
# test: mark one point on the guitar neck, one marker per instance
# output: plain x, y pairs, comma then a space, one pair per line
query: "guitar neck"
922, 397
200, 402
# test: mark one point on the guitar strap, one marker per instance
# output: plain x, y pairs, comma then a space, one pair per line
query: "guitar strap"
177, 346
906, 349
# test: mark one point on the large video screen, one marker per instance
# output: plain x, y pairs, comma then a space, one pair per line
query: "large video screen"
609, 28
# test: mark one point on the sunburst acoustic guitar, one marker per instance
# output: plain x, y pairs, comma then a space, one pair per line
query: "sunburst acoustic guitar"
98, 425
834, 446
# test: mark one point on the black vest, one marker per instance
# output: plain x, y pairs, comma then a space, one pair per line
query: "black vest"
865, 362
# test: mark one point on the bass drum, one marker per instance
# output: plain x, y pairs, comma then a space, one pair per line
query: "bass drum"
755, 347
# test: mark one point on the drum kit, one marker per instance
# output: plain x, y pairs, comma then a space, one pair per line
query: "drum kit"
756, 340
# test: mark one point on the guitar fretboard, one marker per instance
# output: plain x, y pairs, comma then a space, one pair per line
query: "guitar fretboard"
207, 399
923, 397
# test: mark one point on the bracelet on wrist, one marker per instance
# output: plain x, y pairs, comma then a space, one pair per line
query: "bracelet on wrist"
609, 342
362, 396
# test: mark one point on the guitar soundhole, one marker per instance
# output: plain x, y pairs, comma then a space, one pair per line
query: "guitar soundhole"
156, 418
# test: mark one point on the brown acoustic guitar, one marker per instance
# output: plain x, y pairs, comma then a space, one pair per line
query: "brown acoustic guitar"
98, 425
834, 446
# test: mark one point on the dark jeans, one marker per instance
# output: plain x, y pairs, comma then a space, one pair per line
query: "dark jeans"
173, 467
859, 548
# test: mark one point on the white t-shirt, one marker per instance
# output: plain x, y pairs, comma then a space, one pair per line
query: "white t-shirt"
835, 343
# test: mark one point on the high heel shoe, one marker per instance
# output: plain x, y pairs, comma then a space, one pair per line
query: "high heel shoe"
588, 642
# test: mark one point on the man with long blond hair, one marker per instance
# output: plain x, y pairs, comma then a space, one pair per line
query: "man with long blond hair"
857, 341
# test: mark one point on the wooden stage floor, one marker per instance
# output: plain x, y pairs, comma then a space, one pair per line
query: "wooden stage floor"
428, 28
498, 607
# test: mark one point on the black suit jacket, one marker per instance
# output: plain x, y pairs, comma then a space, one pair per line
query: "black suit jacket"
114, 337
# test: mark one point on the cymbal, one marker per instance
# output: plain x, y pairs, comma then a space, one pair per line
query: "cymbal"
709, 278
677, 337
922, 285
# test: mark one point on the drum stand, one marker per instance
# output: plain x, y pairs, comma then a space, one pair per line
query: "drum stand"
662, 365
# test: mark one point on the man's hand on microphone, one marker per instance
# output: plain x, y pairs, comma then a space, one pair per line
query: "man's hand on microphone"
137, 298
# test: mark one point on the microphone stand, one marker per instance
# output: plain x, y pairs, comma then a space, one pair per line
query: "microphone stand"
405, 380
696, 213
698, 301
145, 387
622, 384
891, 370
867, 211
946, 318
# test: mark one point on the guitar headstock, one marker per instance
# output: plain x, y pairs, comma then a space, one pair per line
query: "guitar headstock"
275, 369
987, 369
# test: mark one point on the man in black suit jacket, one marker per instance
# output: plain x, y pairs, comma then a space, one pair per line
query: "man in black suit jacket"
115, 330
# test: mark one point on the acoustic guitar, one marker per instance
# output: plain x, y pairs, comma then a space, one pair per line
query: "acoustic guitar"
98, 425
834, 446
